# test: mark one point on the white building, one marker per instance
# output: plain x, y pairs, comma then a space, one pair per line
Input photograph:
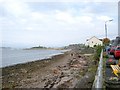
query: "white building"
93, 41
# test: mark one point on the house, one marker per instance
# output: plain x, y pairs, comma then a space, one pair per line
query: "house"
93, 41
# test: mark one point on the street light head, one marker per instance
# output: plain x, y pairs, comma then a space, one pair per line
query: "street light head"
111, 20
106, 26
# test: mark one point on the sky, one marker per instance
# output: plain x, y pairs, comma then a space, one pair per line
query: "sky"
51, 23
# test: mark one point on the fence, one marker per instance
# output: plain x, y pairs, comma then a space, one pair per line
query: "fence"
98, 82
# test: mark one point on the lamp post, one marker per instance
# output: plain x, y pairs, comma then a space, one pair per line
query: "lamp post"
106, 26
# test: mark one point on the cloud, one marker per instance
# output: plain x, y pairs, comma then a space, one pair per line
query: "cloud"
104, 18
55, 23
38, 16
16, 8
64, 16
84, 19
70, 1
68, 17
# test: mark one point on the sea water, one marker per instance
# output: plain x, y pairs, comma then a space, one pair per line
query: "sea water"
16, 56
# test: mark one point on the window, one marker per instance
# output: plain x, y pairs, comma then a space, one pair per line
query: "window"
118, 48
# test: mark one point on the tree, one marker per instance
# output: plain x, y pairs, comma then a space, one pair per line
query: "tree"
106, 41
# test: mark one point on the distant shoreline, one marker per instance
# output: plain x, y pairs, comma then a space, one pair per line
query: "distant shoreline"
41, 49
35, 48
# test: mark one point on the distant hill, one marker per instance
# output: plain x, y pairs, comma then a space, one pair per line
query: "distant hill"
39, 47
74, 46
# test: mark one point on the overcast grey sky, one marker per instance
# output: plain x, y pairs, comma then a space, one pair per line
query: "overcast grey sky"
26, 23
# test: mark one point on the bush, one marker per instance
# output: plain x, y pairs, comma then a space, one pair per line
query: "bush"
98, 49
105, 55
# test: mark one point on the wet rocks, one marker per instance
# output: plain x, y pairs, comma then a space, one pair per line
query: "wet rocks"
64, 76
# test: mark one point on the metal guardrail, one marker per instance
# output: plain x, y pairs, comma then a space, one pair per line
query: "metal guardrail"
98, 82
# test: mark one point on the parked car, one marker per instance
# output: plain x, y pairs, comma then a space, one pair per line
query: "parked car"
110, 61
112, 50
107, 49
117, 52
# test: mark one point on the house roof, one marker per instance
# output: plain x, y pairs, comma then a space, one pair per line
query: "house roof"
100, 39
94, 37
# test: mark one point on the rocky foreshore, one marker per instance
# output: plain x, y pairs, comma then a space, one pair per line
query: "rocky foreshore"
61, 71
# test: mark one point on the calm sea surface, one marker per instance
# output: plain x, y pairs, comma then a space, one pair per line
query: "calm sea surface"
16, 56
